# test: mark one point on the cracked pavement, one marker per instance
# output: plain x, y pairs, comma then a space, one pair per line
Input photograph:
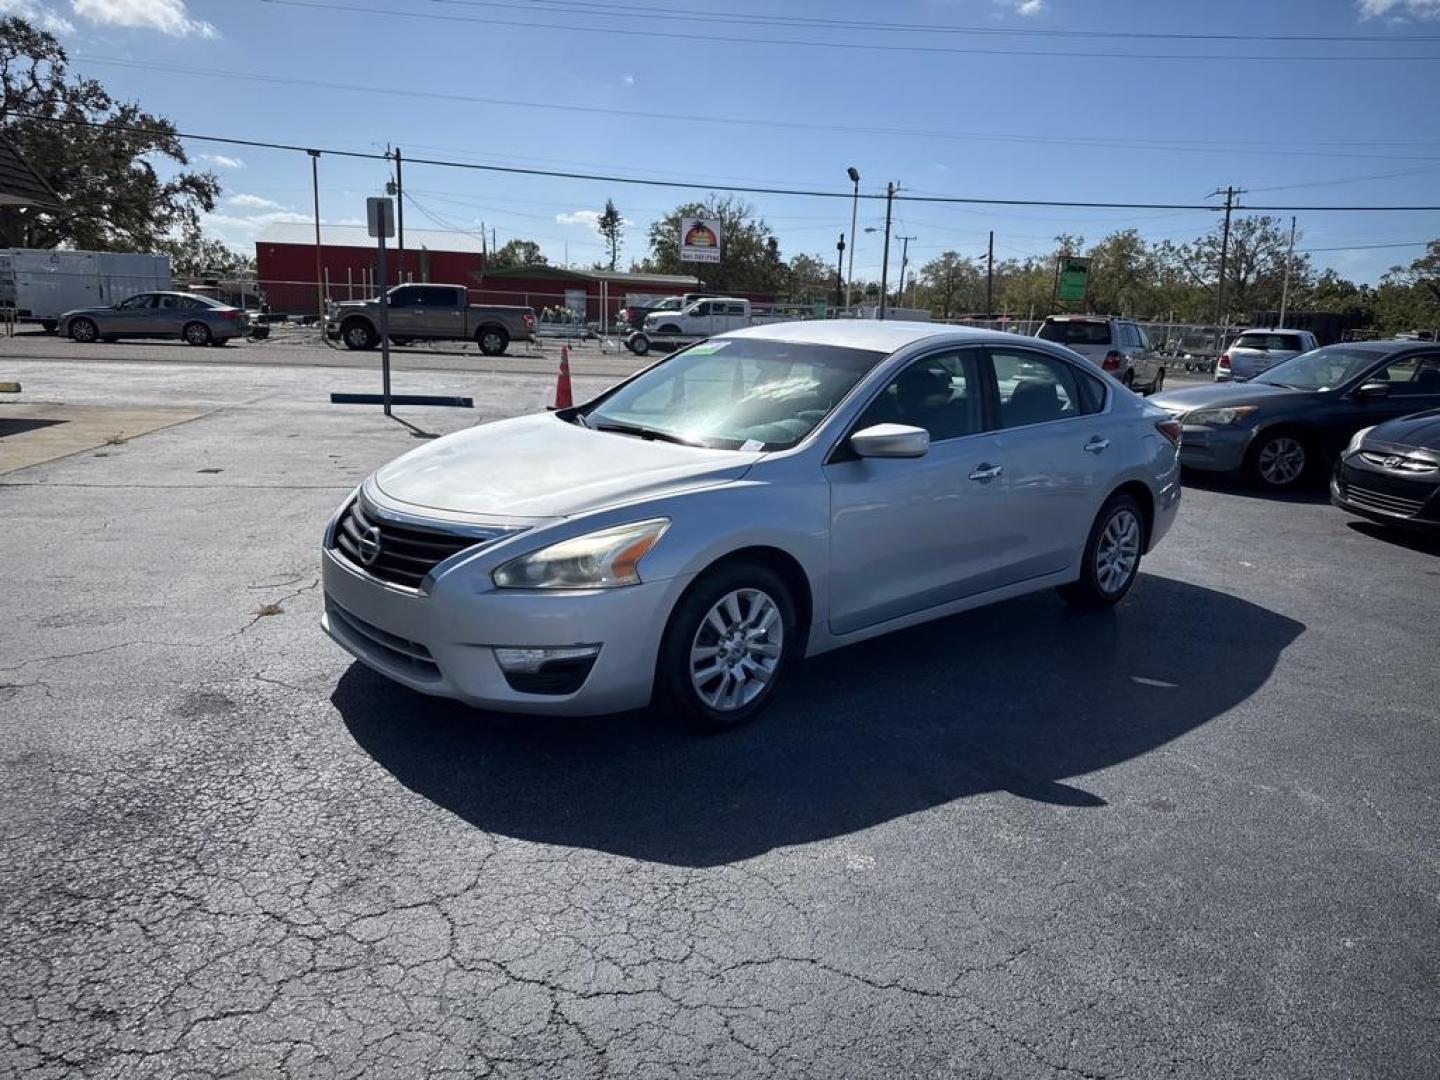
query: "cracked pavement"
1194, 839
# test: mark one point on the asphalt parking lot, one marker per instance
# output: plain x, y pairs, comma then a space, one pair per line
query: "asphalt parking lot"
1193, 837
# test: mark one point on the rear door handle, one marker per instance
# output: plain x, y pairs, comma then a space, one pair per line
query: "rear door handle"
1096, 445
985, 472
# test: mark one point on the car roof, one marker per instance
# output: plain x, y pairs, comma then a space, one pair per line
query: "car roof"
1272, 330
1087, 318
879, 335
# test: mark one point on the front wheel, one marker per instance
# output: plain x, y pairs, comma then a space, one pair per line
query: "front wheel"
358, 335
639, 344
1111, 561
196, 333
493, 340
83, 331
729, 643
1278, 461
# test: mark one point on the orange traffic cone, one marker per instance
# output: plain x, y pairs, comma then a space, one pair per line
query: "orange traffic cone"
563, 398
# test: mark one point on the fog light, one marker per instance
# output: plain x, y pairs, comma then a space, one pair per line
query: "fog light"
547, 670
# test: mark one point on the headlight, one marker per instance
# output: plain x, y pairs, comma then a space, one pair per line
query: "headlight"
597, 560
1220, 417
1358, 438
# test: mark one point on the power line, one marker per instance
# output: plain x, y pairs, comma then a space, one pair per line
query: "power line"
1170, 146
700, 185
649, 13
868, 47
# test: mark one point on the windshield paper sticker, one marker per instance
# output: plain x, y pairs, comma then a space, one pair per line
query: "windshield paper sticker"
752, 444
707, 348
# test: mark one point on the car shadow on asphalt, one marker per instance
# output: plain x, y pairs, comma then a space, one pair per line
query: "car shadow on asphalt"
1426, 543
1312, 491
1017, 697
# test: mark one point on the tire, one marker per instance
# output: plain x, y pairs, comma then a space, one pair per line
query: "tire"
1129, 379
196, 333
49, 325
668, 328
704, 704
1280, 460
493, 340
1159, 383
359, 335
1112, 556
84, 331
639, 344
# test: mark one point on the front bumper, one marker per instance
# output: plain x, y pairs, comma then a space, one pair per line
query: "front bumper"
443, 642
1379, 495
1213, 449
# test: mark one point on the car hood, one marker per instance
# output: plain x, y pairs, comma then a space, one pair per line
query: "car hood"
540, 467
1420, 431
100, 309
1223, 395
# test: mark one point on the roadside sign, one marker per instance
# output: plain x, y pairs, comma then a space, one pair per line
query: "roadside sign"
1074, 277
380, 216
700, 240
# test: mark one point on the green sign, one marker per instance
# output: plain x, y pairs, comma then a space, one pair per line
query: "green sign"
819, 308
1074, 277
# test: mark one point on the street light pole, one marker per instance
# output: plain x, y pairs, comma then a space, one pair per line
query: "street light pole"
840, 289
1285, 289
885, 265
854, 214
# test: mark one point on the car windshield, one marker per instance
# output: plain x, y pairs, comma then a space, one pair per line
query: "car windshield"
1320, 369
1076, 332
1278, 342
736, 393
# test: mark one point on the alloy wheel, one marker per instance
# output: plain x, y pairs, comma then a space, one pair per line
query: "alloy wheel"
737, 649
1118, 553
1281, 460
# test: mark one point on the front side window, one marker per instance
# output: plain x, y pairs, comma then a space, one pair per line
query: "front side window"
1320, 369
1140, 336
735, 393
700, 309
404, 297
1034, 388
938, 393
138, 303
1411, 376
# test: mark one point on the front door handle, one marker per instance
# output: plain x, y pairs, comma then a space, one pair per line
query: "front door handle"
1096, 445
985, 472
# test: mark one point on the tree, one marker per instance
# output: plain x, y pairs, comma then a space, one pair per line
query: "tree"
950, 282
1409, 296
1254, 269
749, 252
1122, 275
611, 227
100, 155
196, 255
518, 253
808, 278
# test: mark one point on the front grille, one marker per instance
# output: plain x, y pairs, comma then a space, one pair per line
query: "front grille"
406, 552
1382, 502
408, 656
1399, 462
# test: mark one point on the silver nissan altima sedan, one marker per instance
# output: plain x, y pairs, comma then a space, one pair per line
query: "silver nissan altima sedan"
691, 534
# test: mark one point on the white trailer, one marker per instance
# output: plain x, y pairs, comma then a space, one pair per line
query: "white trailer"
40, 285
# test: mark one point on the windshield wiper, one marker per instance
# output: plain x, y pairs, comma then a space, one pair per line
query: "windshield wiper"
642, 432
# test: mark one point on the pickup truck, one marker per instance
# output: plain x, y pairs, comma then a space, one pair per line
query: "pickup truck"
429, 313
703, 317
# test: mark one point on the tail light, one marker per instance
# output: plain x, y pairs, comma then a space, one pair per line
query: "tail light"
229, 312
1112, 361
529, 321
1171, 429
1225, 360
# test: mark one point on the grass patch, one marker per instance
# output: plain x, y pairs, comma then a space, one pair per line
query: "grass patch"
268, 609
118, 439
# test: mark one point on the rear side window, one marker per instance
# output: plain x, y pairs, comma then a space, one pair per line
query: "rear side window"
438, 298
1034, 388
1076, 332
1092, 392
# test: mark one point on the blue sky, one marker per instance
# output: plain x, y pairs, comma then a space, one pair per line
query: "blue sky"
941, 112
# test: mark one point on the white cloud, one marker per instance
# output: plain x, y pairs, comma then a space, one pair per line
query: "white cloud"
241, 229
628, 80
167, 16
254, 202
223, 161
1415, 9
589, 218
37, 15
1030, 7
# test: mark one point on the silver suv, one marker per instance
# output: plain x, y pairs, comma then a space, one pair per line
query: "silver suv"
1118, 346
1256, 351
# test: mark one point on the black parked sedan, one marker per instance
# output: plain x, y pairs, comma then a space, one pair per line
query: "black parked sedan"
1391, 472
1292, 421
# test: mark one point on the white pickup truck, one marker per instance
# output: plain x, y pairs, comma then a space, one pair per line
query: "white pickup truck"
713, 315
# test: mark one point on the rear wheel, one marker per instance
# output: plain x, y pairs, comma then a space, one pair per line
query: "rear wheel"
196, 333
1279, 460
493, 340
1111, 561
729, 643
83, 330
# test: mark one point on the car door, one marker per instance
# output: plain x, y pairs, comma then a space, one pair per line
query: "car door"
167, 316
908, 534
1414, 386
701, 319
131, 316
406, 314
1057, 444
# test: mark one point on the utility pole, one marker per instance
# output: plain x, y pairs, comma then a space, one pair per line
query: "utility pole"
990, 277
885, 266
904, 262
1285, 289
1229, 193
400, 214
319, 272
841, 288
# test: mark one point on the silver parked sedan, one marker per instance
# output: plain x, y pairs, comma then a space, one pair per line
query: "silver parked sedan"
766, 495
197, 320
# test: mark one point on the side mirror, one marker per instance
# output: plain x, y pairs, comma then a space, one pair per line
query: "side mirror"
891, 441
1373, 391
